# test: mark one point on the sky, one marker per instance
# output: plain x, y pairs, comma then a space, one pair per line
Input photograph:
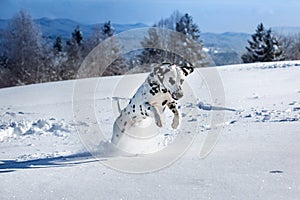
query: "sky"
210, 15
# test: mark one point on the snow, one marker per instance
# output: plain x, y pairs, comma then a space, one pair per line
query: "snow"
43, 154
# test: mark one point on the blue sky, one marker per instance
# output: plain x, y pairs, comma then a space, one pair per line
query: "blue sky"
210, 15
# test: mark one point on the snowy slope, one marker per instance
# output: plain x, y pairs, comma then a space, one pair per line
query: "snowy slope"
256, 156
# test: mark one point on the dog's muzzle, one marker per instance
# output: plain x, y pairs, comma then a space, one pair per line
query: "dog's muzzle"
177, 96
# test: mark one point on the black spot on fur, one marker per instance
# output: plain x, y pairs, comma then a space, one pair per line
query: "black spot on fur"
171, 81
164, 90
152, 92
181, 81
188, 69
166, 70
164, 102
171, 106
123, 130
125, 123
185, 72
149, 108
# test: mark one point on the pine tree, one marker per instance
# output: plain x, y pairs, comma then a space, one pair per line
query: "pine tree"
107, 30
74, 55
58, 44
264, 47
100, 33
191, 46
186, 26
181, 47
77, 36
57, 61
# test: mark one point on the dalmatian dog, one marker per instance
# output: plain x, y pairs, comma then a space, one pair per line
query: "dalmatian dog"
161, 89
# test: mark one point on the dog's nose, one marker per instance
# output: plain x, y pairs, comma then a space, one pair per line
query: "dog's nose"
177, 96
180, 95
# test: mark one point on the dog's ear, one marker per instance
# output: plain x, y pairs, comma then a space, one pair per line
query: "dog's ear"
162, 68
187, 69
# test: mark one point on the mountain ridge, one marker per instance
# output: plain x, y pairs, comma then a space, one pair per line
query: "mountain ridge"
221, 46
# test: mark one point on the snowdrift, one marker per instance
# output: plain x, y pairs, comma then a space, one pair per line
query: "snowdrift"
256, 156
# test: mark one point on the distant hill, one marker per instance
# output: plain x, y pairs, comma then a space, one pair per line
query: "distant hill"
225, 48
234, 41
64, 27
287, 30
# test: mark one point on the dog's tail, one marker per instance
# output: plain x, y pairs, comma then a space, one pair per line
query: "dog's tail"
117, 99
119, 107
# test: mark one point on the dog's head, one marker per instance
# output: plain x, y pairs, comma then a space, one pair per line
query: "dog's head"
171, 77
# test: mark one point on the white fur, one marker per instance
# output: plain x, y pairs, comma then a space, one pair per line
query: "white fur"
161, 89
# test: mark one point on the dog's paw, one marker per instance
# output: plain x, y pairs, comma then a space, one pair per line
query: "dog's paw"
176, 123
159, 123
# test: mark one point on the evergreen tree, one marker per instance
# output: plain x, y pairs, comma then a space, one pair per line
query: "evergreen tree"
57, 61
74, 55
107, 30
191, 47
186, 26
58, 44
77, 36
177, 46
264, 47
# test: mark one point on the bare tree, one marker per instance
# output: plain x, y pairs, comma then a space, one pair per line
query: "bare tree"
23, 49
118, 66
291, 46
93, 40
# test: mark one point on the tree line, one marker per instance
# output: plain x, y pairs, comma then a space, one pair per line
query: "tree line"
26, 56
267, 46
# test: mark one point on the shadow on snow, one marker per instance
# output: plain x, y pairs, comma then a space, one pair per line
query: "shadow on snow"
60, 161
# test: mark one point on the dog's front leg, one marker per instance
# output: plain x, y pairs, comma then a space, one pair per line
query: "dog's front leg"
157, 114
177, 116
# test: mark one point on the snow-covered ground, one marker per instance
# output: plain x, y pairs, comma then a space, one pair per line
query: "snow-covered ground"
44, 155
